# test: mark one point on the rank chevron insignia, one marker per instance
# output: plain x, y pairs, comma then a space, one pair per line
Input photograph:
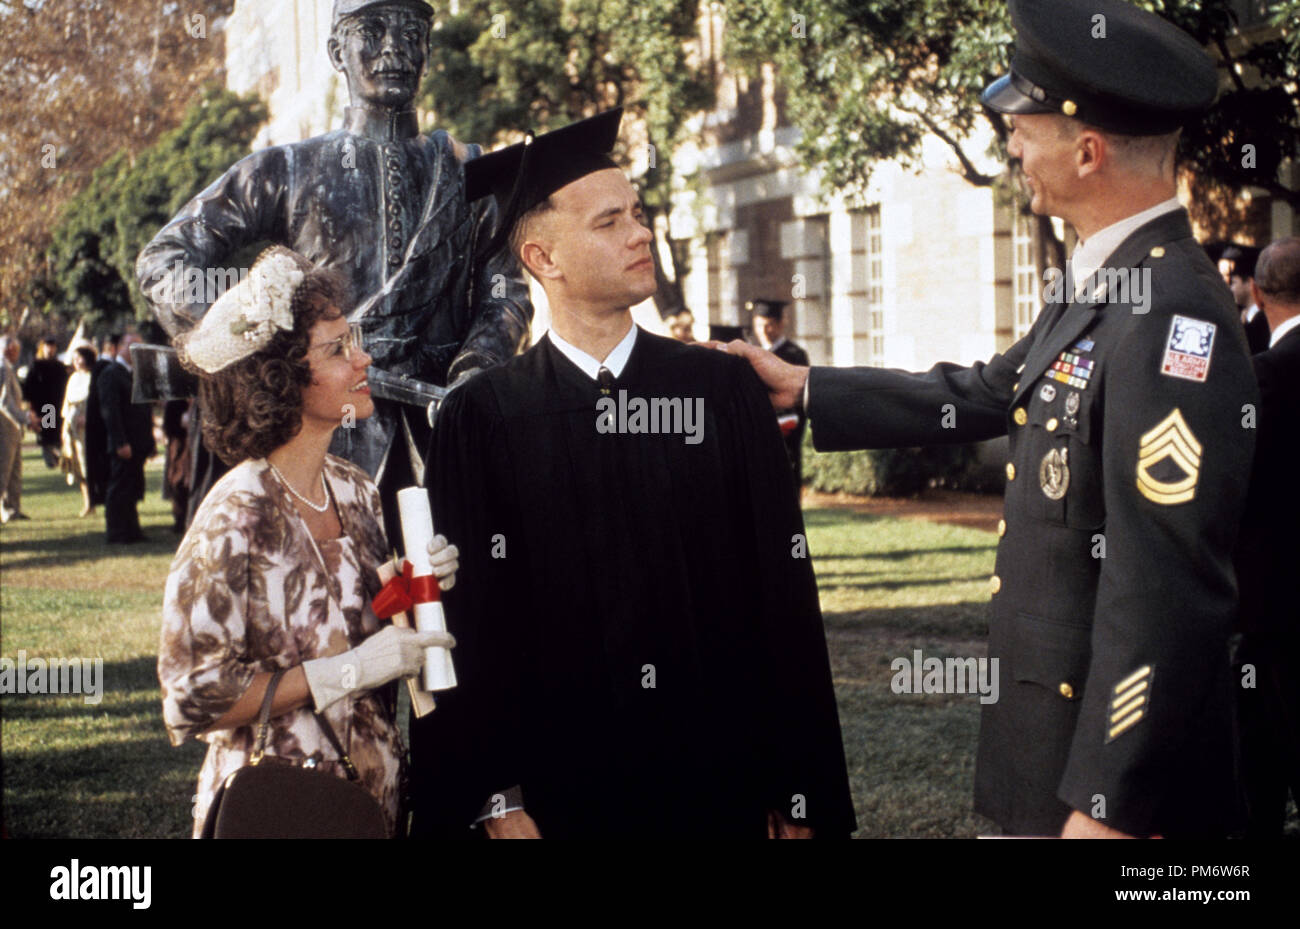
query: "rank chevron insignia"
1169, 443
1128, 702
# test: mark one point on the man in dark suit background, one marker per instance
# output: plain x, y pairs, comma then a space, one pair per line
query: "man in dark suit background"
769, 329
1237, 265
128, 429
1269, 551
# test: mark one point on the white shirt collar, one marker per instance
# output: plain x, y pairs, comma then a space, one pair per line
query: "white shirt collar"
1090, 255
1283, 330
1248, 315
616, 360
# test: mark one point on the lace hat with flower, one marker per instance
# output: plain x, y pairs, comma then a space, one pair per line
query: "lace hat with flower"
247, 316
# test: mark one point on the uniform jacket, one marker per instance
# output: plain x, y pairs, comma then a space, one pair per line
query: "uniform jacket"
357, 200
1114, 591
250, 590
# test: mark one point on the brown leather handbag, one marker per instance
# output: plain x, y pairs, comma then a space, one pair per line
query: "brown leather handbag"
288, 801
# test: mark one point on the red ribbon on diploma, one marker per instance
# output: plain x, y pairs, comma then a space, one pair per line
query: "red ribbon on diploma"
404, 591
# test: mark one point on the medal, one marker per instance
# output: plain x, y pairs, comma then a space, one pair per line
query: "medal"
1072, 402
1047, 392
1054, 474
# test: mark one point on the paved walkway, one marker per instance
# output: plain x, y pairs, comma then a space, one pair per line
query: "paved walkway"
976, 511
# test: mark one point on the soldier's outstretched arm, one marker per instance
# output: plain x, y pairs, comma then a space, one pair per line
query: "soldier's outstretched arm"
864, 407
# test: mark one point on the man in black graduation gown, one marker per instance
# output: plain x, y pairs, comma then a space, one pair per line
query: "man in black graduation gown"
1267, 556
641, 652
769, 329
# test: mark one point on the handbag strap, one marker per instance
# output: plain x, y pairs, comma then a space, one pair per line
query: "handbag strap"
264, 719
264, 728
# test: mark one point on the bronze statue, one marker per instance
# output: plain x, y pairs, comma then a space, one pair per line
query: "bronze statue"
381, 203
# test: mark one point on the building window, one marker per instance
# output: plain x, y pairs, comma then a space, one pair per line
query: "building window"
867, 260
1026, 276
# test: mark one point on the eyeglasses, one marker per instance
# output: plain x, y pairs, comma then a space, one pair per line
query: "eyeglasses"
351, 341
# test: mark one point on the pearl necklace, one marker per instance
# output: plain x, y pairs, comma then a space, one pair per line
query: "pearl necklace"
321, 508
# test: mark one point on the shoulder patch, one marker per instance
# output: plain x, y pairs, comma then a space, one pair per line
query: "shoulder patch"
1188, 348
1169, 461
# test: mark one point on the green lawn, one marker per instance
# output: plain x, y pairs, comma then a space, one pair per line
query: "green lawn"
888, 586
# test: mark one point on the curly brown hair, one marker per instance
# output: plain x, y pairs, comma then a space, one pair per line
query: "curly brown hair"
254, 406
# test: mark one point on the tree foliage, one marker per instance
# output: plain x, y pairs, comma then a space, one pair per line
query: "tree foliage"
868, 80
502, 66
91, 259
81, 80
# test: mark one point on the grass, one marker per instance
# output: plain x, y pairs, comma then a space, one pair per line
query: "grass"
888, 586
75, 770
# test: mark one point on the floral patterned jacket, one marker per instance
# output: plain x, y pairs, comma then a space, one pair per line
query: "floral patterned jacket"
250, 590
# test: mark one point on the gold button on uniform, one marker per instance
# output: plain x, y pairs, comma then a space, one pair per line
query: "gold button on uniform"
995, 584
1158, 252
1015, 386
1020, 416
1002, 528
1067, 691
1052, 424
1011, 471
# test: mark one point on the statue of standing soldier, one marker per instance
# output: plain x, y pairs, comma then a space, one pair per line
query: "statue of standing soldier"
385, 206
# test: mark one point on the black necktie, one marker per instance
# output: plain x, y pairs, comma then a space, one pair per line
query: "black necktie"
606, 380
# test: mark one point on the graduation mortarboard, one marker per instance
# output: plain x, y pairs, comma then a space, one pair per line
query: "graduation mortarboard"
1105, 62
522, 175
725, 333
772, 309
1243, 258
344, 8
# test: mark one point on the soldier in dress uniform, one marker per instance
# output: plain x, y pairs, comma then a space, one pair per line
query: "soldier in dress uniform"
1114, 592
769, 329
385, 206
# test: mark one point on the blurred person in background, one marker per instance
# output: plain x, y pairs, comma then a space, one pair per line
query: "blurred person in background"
13, 417
46, 380
72, 455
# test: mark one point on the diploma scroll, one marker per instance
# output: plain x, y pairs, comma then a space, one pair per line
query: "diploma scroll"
417, 533
422, 702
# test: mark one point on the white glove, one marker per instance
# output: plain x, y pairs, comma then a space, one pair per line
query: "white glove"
444, 558
387, 655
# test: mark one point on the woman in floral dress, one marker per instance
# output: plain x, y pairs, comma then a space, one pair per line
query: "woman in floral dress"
277, 571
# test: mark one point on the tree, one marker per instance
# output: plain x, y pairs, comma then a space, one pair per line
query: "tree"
100, 232
868, 80
81, 80
498, 68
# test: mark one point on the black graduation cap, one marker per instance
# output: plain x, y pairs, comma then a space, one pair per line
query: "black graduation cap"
522, 175
725, 333
1105, 62
1243, 258
772, 309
